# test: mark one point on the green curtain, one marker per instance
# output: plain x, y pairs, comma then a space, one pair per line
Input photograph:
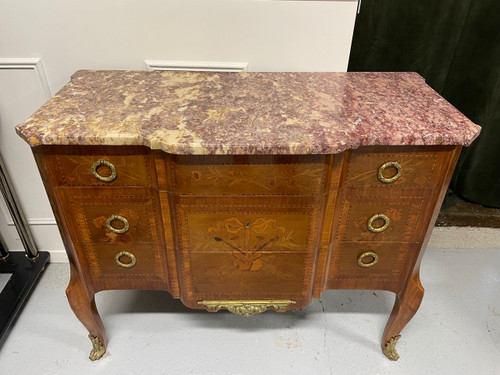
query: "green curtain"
455, 46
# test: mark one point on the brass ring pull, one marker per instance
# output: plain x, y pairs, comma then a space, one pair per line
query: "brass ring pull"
124, 221
368, 254
106, 163
373, 229
389, 164
131, 256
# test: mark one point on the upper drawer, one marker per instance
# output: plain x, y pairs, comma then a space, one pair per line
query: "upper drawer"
103, 166
398, 166
111, 216
235, 175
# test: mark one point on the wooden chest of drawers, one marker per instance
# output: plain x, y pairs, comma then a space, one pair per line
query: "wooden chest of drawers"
241, 231
245, 233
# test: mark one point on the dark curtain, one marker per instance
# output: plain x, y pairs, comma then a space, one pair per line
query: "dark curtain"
455, 46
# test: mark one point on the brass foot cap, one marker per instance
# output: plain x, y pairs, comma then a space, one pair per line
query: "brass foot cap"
389, 349
98, 348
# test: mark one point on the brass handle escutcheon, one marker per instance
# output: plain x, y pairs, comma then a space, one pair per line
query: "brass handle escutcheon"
131, 256
382, 217
369, 254
106, 163
125, 228
389, 164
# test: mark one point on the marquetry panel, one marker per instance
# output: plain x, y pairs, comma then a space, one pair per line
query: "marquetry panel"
229, 175
388, 273
241, 233
221, 275
134, 166
233, 224
420, 166
87, 211
148, 272
247, 248
404, 211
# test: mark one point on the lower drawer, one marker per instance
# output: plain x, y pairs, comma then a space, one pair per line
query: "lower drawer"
371, 265
130, 266
267, 276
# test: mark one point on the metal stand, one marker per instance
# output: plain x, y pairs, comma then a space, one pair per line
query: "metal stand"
4, 254
24, 267
16, 212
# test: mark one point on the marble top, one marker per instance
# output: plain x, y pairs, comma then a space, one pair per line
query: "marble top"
247, 113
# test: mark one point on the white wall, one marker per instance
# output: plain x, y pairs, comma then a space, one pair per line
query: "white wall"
120, 34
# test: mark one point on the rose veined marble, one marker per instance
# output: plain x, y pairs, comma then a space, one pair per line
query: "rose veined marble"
247, 113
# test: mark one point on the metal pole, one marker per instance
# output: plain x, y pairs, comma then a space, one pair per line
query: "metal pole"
16, 212
4, 253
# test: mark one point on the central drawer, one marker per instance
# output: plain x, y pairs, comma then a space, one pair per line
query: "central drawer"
247, 175
246, 248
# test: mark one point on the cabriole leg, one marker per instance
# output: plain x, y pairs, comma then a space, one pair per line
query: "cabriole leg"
405, 307
83, 305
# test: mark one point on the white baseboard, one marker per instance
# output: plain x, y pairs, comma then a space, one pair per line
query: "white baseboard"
58, 256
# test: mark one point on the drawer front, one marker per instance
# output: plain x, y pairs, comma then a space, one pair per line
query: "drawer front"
417, 167
236, 230
230, 175
246, 248
101, 169
111, 216
371, 265
224, 276
124, 266
371, 216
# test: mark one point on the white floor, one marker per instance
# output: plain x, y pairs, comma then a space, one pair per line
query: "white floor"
4, 279
456, 330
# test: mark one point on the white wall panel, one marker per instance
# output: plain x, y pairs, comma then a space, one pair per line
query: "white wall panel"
23, 89
121, 34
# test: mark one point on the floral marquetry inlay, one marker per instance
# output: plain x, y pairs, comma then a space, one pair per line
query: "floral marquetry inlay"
111, 236
249, 239
306, 178
286, 176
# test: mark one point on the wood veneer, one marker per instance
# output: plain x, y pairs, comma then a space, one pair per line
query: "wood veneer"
245, 228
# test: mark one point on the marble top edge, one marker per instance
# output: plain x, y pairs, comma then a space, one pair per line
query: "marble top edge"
247, 113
